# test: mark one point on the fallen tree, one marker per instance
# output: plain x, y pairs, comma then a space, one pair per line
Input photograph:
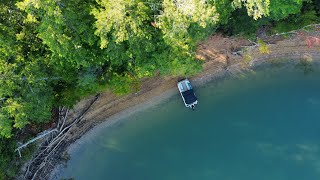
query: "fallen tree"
44, 159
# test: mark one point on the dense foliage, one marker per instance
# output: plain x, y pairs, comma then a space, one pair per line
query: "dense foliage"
54, 52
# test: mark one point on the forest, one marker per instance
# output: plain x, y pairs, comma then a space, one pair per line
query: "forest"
56, 52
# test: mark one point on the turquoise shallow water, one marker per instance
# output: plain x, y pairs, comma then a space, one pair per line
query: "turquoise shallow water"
261, 126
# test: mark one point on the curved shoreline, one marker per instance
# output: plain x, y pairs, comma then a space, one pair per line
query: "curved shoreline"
119, 117
199, 81
109, 109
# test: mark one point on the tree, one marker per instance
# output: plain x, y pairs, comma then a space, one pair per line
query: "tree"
181, 17
25, 97
280, 9
118, 20
7, 157
224, 9
255, 8
67, 33
276, 9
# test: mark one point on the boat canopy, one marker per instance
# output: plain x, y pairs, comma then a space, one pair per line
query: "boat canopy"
189, 96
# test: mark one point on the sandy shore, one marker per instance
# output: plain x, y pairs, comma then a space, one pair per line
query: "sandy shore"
220, 60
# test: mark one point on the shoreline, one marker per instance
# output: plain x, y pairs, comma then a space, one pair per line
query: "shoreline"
120, 117
109, 109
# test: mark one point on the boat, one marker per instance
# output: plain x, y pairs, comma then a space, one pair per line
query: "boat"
187, 94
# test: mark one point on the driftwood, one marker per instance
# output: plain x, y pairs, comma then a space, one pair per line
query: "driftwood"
48, 151
46, 132
297, 30
40, 136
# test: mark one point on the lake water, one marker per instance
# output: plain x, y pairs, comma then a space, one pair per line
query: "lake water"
259, 126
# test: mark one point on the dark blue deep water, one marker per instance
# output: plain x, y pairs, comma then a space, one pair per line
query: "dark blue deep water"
258, 126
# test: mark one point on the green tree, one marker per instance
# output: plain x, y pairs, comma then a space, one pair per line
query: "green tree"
224, 9
255, 8
25, 96
275, 9
7, 157
67, 32
118, 20
181, 18
280, 9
